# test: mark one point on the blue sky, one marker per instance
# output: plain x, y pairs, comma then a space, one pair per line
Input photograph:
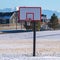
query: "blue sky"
45, 4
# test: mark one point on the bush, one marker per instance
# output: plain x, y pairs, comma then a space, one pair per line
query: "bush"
31, 25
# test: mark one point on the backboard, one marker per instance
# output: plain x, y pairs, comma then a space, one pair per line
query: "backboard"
29, 13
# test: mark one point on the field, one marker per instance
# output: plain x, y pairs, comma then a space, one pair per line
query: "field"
11, 26
15, 45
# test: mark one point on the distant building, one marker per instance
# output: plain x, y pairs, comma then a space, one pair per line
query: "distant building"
14, 18
5, 17
44, 22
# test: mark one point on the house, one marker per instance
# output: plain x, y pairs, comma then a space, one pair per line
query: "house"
14, 18
5, 17
44, 22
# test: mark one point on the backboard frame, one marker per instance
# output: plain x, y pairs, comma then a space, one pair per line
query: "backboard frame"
29, 13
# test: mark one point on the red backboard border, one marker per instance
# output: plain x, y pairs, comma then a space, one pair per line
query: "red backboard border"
30, 13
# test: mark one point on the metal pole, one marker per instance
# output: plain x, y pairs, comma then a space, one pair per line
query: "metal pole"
34, 39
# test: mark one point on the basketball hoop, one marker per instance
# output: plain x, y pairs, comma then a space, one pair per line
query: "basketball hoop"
31, 14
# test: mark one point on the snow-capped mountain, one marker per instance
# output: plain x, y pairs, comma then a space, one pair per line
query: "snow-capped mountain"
46, 12
8, 10
50, 12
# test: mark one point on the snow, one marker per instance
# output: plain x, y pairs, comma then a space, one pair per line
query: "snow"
29, 35
14, 46
30, 58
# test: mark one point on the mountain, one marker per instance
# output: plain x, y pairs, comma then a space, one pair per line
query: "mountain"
7, 10
46, 12
50, 12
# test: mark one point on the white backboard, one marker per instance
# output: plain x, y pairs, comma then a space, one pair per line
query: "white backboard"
29, 13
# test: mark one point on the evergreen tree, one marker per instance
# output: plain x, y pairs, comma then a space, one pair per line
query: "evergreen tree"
54, 21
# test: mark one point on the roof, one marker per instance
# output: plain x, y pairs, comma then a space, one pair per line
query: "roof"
5, 15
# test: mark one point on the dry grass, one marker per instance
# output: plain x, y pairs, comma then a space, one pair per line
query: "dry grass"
26, 46
9, 26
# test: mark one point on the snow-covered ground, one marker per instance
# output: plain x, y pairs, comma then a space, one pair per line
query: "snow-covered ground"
16, 45
30, 58
29, 35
